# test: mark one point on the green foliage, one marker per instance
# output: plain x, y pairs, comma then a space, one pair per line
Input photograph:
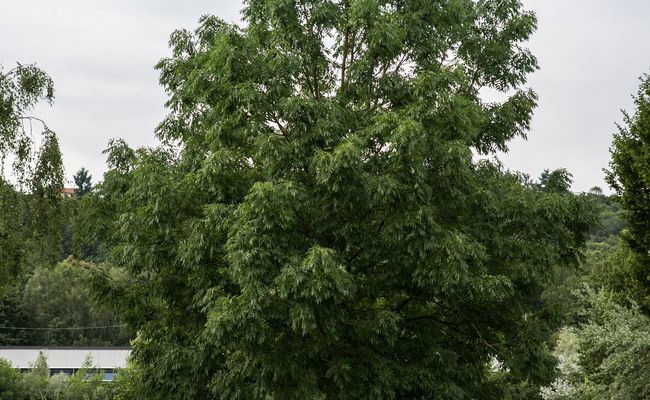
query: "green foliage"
29, 230
611, 221
85, 384
630, 177
128, 384
315, 225
10, 381
558, 180
614, 346
36, 380
565, 387
29, 213
610, 334
83, 182
604, 255
20, 89
13, 314
605, 358
61, 297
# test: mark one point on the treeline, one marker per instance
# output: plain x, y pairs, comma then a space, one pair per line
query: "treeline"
55, 306
603, 351
50, 300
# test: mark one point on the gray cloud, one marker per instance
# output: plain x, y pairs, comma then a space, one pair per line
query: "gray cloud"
591, 53
101, 56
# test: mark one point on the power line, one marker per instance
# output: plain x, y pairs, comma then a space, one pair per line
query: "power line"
72, 328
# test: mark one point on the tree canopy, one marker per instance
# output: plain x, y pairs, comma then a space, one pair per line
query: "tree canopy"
315, 225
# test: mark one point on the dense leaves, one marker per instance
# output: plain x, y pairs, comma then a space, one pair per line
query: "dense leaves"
10, 381
606, 357
56, 307
316, 226
61, 298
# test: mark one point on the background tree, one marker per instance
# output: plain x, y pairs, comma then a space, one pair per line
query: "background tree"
606, 357
12, 315
558, 180
610, 324
69, 210
10, 382
37, 379
85, 384
61, 297
83, 182
20, 89
316, 226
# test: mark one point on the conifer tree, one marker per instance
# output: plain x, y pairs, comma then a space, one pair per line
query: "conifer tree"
83, 182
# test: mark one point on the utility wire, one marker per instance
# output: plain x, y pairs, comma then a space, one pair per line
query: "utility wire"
72, 328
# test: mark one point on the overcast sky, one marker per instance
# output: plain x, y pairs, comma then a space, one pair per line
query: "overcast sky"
101, 56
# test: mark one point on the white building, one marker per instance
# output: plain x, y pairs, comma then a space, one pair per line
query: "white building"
68, 359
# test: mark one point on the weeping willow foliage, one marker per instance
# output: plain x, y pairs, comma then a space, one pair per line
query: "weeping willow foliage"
31, 177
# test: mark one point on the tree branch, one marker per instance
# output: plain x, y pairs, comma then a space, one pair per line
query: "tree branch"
346, 49
282, 128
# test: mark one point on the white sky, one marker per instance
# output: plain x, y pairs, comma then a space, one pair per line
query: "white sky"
101, 56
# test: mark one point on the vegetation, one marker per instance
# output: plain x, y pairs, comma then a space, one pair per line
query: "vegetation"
83, 182
603, 354
316, 224
630, 177
52, 307
29, 221
85, 384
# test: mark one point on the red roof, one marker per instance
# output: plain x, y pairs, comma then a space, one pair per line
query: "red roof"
69, 192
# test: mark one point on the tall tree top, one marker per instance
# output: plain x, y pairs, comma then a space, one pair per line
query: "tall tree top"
353, 60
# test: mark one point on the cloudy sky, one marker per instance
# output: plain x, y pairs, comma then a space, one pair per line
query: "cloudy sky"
101, 56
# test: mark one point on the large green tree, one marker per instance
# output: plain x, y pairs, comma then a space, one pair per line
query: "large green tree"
316, 225
31, 177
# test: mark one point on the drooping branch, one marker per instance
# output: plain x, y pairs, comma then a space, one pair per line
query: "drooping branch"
31, 118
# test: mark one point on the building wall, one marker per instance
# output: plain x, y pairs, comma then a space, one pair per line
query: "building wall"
67, 358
